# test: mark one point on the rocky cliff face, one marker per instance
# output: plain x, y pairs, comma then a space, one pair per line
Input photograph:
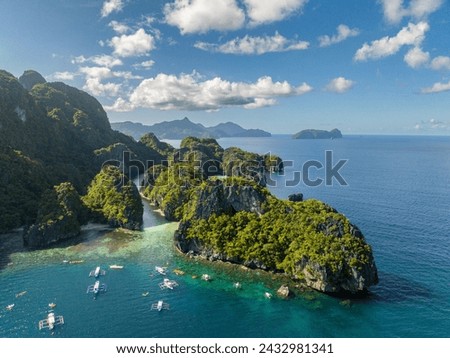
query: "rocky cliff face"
59, 218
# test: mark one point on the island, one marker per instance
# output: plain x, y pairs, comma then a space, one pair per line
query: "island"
229, 215
318, 134
62, 165
182, 128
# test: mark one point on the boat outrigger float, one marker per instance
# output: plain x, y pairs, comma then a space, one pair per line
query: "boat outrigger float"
160, 305
97, 272
96, 288
170, 284
51, 321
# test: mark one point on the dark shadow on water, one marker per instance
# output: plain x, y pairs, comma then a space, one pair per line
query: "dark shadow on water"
12, 243
397, 289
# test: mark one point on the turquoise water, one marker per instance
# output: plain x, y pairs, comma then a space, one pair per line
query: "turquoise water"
398, 194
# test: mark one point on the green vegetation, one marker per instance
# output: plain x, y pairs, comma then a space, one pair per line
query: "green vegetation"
284, 235
22, 182
114, 199
235, 218
59, 217
151, 141
50, 134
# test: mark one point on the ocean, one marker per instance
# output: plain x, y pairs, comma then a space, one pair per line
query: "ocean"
397, 193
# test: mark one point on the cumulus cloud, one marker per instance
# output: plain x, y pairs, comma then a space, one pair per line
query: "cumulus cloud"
119, 27
395, 11
99, 60
137, 44
95, 80
432, 124
343, 33
416, 57
249, 45
190, 92
145, 64
440, 63
266, 11
200, 16
340, 85
413, 34
62, 76
110, 6
437, 88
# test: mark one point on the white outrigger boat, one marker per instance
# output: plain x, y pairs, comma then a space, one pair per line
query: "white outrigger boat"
237, 285
170, 284
97, 272
161, 270
96, 288
268, 295
51, 321
10, 307
160, 305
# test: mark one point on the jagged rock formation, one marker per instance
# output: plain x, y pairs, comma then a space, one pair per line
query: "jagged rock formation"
60, 217
51, 133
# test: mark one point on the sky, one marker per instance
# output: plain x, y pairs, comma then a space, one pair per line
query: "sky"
363, 66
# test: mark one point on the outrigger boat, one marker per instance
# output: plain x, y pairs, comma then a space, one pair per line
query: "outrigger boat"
51, 321
170, 284
10, 307
97, 272
96, 288
160, 305
268, 295
237, 285
161, 270
206, 277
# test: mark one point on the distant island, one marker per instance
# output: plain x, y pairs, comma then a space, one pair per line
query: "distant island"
318, 134
182, 128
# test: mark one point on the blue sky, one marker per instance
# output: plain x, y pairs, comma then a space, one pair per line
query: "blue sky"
364, 66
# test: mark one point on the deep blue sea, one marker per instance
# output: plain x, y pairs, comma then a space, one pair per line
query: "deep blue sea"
398, 193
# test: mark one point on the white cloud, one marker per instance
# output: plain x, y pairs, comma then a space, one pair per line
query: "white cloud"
145, 64
266, 11
95, 77
413, 34
343, 33
437, 88
110, 6
440, 63
62, 76
395, 11
190, 92
249, 45
200, 16
137, 44
416, 57
119, 27
96, 72
340, 85
100, 60
94, 86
